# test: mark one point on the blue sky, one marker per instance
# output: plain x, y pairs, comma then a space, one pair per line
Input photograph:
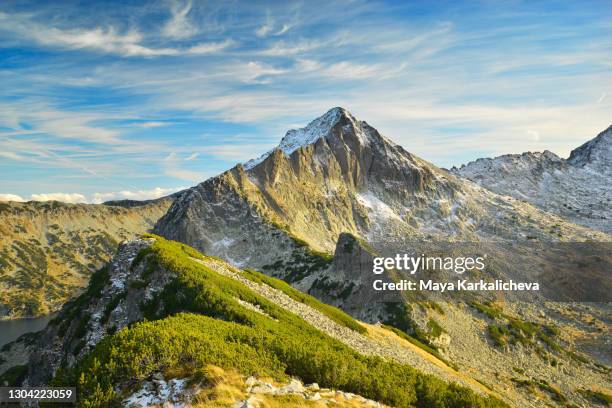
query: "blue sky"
137, 99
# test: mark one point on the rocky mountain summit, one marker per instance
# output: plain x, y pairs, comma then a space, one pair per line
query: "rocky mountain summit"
577, 188
337, 175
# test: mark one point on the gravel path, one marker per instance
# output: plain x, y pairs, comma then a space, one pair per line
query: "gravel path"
358, 342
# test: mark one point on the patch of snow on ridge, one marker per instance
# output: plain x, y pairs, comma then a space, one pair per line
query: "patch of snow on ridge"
296, 138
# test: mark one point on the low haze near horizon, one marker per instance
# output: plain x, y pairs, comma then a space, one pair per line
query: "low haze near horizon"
103, 101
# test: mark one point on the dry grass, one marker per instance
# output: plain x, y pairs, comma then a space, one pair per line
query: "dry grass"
382, 334
224, 389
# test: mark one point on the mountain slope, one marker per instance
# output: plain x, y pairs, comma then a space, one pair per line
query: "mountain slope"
578, 188
48, 250
206, 313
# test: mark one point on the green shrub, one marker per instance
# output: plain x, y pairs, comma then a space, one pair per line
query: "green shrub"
516, 330
497, 335
489, 309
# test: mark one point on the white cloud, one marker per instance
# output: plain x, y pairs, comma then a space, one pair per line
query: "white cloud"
96, 198
349, 70
153, 124
263, 30
210, 47
139, 195
11, 197
179, 26
64, 124
256, 71
11, 155
283, 49
64, 197
172, 168
236, 152
192, 157
270, 28
283, 30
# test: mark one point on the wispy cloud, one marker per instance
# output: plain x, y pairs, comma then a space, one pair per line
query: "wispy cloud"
271, 28
263, 30
152, 124
173, 168
283, 49
179, 26
109, 39
283, 29
210, 47
602, 97
43, 118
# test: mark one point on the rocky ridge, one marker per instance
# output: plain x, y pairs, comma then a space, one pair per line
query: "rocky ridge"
576, 188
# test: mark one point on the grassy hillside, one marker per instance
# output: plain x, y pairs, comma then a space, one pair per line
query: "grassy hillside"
199, 319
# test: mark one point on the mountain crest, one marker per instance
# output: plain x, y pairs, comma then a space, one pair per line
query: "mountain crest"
317, 129
575, 188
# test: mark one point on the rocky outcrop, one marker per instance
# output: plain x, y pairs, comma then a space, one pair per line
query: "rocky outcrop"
113, 300
348, 283
257, 393
595, 154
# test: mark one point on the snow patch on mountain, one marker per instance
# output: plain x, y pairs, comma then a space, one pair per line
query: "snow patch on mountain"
315, 130
378, 209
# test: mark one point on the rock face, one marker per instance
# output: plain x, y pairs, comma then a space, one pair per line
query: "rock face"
595, 154
48, 250
577, 189
348, 282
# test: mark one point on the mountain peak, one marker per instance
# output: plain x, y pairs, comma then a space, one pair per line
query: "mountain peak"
597, 152
315, 130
